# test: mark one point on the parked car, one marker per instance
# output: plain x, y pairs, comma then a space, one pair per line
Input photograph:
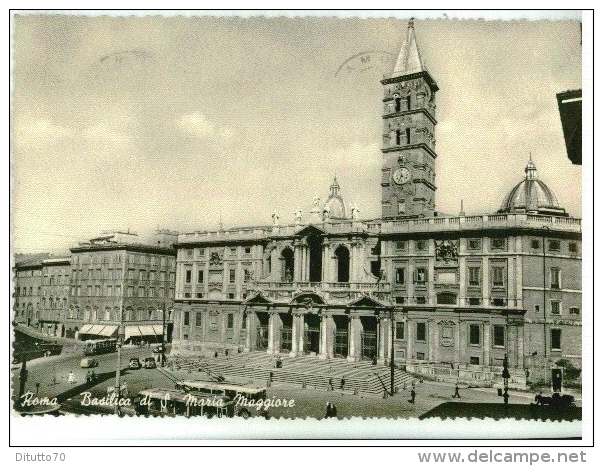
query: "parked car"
149, 363
88, 362
134, 363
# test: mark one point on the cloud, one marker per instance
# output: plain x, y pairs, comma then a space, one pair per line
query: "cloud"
37, 132
198, 125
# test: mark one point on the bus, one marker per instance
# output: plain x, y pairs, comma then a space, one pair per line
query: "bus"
93, 347
232, 391
247, 400
172, 403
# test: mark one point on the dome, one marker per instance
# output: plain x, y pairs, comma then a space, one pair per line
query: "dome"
334, 206
532, 196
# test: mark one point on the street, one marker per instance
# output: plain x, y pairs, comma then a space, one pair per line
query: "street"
51, 373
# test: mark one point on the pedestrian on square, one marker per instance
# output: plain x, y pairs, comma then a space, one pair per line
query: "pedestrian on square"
456, 391
413, 394
71, 377
342, 385
88, 377
329, 412
330, 384
93, 376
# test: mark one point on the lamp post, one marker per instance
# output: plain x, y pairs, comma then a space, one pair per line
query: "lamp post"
544, 230
163, 336
120, 341
506, 376
391, 357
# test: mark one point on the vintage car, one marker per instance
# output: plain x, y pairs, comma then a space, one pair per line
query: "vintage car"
149, 363
134, 363
88, 362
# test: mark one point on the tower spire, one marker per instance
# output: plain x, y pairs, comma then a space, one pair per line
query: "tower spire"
409, 60
531, 173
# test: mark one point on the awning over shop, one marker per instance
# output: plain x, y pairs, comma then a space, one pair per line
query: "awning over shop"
96, 329
108, 330
86, 328
143, 331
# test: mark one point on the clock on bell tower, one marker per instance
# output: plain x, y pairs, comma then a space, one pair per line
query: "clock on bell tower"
408, 173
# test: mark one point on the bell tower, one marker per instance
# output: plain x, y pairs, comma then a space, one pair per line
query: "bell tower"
408, 173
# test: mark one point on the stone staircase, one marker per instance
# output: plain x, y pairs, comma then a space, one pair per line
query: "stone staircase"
305, 371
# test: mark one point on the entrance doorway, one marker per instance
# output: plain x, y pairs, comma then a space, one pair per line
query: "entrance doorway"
262, 332
341, 336
286, 332
312, 333
315, 246
368, 338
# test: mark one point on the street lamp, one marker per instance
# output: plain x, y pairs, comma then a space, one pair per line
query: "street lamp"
506, 376
120, 342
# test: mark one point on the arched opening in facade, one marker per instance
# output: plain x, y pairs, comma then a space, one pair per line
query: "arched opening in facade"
287, 265
368, 337
342, 256
315, 247
286, 331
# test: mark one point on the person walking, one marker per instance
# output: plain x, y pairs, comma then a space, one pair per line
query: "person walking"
456, 391
88, 377
342, 385
330, 388
413, 394
71, 377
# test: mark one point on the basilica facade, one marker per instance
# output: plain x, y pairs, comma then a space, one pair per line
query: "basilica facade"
440, 294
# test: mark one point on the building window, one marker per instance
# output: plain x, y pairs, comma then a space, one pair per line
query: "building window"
199, 295
446, 298
141, 291
117, 290
475, 301
398, 137
231, 296
421, 245
555, 339
200, 276
399, 330
554, 245
232, 275
189, 253
230, 321
498, 243
233, 251
498, 301
89, 290
197, 319
407, 135
162, 276
152, 275
247, 250
474, 276
536, 307
97, 290
400, 299
151, 292
171, 293
474, 243
402, 206
498, 277
474, 360
400, 245
535, 244
188, 276
400, 276
109, 290
187, 294
555, 308
555, 278
421, 331
574, 311
420, 275
474, 334
499, 335
161, 293
398, 101
420, 356
572, 247
421, 300
186, 318
149, 315
247, 276
142, 275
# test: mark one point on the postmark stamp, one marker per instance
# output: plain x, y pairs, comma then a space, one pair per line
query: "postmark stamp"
253, 235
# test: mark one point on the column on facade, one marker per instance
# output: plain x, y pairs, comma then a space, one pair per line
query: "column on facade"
247, 346
353, 259
512, 345
457, 342
434, 336
271, 333
519, 274
301, 334
410, 328
383, 337
304, 263
511, 268
487, 333
354, 338
326, 263
520, 346
297, 254
486, 282
326, 338
463, 281
462, 338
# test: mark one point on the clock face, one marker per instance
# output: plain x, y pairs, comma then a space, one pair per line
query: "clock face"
401, 175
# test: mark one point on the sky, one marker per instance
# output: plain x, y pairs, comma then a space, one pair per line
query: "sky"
180, 123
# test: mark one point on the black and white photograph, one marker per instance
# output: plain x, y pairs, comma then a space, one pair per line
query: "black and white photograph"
225, 220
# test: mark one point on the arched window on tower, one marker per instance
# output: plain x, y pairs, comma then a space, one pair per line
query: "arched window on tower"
408, 102
398, 137
407, 135
398, 104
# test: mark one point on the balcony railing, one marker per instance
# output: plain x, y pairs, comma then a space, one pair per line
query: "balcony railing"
323, 286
